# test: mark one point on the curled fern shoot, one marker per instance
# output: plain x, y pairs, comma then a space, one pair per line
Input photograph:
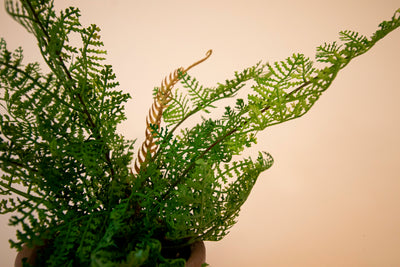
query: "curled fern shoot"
161, 100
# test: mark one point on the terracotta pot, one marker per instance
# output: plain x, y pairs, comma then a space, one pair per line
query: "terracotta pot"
26, 252
196, 259
197, 255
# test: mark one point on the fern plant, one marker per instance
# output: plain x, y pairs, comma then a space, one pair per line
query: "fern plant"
66, 171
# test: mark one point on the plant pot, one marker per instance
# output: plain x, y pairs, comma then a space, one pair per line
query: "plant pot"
197, 255
196, 259
26, 252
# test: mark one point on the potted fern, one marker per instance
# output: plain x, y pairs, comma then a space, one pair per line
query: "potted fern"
82, 197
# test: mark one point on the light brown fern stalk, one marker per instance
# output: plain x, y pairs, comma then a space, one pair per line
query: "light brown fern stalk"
160, 103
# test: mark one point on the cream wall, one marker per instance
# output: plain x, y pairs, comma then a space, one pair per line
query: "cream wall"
333, 196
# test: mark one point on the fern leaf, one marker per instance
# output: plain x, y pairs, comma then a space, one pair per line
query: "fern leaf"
161, 101
177, 110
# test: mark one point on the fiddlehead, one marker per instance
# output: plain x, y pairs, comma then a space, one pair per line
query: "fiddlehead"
160, 103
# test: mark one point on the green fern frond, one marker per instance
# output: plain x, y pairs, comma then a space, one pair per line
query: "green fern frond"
212, 95
178, 108
198, 94
386, 27
285, 91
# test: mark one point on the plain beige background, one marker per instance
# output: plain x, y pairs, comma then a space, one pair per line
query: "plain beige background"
333, 196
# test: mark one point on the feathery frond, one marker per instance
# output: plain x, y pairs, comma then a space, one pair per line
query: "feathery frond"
161, 101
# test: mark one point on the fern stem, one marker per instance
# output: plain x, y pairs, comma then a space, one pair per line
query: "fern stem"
23, 194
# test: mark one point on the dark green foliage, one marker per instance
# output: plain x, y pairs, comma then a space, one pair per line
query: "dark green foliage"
66, 170
59, 139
